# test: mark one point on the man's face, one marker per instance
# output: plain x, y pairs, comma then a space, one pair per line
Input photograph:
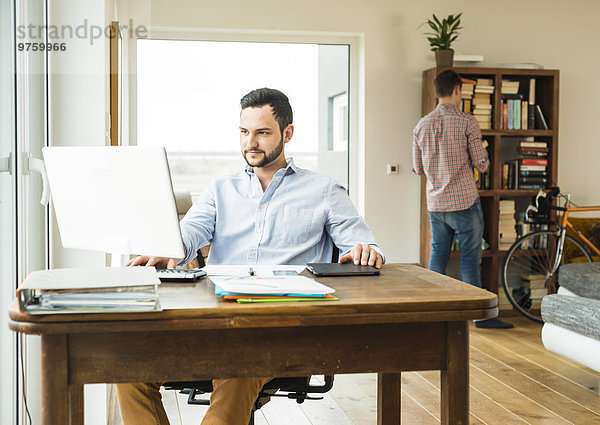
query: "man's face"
260, 138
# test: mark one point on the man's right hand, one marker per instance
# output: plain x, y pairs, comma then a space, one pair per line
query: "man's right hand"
158, 262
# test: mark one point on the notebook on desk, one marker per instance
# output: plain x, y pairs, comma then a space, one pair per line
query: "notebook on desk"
341, 269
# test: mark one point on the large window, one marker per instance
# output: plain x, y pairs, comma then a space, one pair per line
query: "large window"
188, 95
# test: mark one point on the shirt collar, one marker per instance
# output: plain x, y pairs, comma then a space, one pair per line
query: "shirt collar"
447, 106
291, 167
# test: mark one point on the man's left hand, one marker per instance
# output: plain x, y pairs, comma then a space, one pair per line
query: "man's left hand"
363, 255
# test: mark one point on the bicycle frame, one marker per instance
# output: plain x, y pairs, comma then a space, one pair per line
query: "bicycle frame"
564, 224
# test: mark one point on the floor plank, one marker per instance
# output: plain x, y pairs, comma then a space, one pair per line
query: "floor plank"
483, 408
536, 391
546, 376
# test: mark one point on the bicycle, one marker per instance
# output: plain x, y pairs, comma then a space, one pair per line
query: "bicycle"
531, 265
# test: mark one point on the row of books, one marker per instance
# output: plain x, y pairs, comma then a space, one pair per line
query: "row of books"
535, 284
477, 100
529, 170
518, 112
506, 225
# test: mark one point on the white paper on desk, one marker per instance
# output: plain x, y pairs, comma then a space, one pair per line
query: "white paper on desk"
263, 270
271, 285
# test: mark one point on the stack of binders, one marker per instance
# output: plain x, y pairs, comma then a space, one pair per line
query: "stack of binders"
90, 290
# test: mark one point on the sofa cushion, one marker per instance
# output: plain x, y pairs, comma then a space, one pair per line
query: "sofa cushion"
581, 315
582, 279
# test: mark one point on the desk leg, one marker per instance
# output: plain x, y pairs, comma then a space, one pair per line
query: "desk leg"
76, 404
388, 398
55, 384
455, 378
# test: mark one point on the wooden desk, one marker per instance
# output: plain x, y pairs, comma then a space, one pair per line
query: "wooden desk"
406, 319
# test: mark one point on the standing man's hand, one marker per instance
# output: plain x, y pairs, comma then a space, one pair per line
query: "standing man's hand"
363, 255
158, 262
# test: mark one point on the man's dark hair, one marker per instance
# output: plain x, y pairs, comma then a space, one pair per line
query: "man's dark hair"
282, 110
446, 82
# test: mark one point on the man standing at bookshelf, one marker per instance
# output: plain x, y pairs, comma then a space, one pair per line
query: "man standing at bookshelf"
447, 147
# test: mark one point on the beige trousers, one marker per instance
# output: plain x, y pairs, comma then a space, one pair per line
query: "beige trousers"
230, 402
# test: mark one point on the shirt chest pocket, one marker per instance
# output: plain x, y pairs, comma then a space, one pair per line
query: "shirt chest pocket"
292, 225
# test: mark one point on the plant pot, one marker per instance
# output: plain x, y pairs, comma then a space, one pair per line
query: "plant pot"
444, 58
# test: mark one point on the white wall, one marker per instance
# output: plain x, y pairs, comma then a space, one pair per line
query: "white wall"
78, 100
556, 34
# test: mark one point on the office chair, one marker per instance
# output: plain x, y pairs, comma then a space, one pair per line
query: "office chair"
298, 389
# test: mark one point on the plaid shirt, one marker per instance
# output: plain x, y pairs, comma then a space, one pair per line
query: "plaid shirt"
446, 147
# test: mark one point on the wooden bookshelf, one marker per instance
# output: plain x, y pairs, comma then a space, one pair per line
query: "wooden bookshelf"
546, 92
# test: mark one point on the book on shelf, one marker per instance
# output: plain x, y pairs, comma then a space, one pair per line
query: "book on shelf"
532, 144
533, 281
533, 161
543, 173
484, 89
468, 81
524, 109
532, 168
485, 81
481, 101
538, 293
530, 186
517, 113
483, 96
466, 107
531, 105
540, 121
510, 87
467, 90
532, 180
534, 153
532, 91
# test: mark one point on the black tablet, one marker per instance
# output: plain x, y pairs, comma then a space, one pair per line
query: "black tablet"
337, 269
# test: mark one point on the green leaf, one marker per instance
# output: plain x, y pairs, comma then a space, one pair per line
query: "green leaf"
433, 26
437, 21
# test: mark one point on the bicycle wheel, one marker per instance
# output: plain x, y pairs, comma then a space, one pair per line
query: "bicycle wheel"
526, 272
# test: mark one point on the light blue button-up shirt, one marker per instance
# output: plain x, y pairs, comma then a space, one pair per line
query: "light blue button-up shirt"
294, 221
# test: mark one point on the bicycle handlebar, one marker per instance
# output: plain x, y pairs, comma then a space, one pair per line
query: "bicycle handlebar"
552, 207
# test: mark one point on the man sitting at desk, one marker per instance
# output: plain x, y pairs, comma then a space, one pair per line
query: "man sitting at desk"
272, 213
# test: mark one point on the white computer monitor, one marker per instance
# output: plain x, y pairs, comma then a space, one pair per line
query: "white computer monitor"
117, 199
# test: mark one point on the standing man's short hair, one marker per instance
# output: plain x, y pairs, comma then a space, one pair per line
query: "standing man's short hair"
282, 110
446, 82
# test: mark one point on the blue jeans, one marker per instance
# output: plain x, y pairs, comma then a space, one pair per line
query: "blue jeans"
467, 225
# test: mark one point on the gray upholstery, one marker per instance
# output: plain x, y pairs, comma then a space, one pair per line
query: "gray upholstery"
582, 279
581, 315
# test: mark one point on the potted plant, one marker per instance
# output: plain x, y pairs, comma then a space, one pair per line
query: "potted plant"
443, 34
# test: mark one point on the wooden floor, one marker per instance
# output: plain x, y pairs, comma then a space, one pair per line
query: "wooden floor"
514, 380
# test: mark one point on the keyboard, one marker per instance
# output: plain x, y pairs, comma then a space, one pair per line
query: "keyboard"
180, 275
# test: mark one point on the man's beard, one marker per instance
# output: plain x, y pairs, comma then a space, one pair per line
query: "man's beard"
267, 157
